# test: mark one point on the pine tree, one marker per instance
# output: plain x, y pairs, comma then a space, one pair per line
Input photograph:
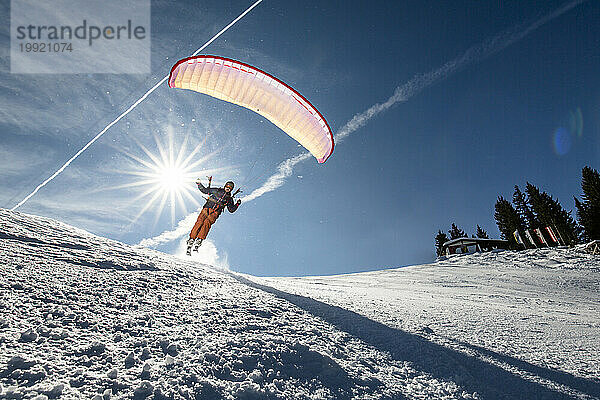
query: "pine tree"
440, 239
481, 233
539, 205
524, 209
588, 210
456, 233
549, 212
508, 221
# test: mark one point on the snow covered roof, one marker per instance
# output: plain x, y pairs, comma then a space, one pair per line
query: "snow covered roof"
468, 240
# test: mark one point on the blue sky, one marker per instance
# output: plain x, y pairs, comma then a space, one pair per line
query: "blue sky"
441, 156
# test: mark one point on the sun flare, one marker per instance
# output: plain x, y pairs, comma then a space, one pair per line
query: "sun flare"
166, 177
171, 179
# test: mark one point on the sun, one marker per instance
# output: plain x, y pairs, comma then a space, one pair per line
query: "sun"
166, 177
172, 179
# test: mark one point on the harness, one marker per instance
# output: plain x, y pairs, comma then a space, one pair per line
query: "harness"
219, 203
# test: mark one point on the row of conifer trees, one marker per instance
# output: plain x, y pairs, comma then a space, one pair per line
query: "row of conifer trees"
535, 209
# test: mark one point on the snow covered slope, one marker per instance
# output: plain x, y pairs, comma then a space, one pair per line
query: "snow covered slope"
526, 324
84, 317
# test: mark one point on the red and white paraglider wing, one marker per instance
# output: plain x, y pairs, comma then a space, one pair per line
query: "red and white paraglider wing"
249, 87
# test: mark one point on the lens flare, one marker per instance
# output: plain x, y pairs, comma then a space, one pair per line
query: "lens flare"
569, 132
576, 123
562, 141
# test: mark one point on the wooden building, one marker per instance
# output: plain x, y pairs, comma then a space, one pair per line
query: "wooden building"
467, 245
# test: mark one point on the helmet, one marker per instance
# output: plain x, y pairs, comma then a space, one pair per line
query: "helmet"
230, 184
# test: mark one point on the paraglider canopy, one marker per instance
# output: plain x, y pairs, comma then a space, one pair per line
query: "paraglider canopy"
256, 90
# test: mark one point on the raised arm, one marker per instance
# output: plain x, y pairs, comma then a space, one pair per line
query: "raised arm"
202, 188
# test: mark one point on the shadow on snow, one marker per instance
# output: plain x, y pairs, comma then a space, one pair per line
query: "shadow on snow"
471, 373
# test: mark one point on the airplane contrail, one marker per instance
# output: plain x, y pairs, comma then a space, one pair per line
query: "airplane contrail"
414, 86
401, 94
134, 105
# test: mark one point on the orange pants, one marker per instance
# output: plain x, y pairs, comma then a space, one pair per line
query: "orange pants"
203, 223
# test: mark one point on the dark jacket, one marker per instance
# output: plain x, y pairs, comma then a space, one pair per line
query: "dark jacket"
218, 199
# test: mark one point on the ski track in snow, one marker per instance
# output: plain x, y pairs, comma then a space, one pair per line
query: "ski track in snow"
87, 317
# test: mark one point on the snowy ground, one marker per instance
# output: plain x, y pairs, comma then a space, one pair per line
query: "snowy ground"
523, 325
85, 317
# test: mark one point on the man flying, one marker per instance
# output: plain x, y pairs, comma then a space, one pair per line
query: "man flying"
218, 199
